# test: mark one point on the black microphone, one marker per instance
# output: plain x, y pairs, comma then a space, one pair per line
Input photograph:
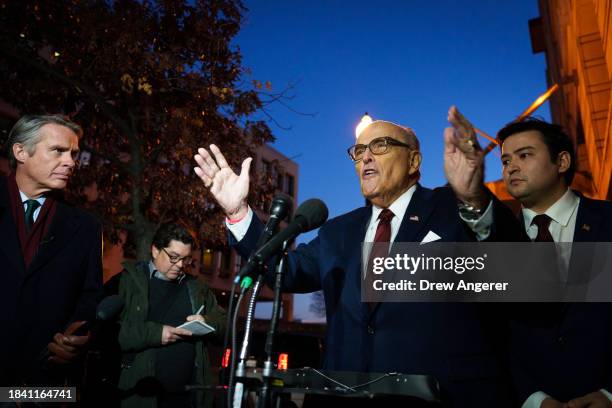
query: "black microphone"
310, 215
108, 309
279, 209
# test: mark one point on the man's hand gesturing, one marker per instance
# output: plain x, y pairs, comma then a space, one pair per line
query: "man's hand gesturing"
229, 189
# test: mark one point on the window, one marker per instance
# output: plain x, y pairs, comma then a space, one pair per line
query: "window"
290, 184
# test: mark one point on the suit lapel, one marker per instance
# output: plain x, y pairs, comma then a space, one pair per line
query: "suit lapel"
8, 236
63, 226
588, 222
418, 212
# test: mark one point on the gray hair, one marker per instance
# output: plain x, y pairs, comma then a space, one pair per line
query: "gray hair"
26, 132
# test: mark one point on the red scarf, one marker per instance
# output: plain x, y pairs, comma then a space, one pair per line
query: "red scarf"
29, 242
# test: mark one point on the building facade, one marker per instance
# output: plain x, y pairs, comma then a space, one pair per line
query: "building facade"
577, 39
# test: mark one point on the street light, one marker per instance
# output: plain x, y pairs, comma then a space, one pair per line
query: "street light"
363, 123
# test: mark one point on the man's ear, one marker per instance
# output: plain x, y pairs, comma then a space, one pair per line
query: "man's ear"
415, 162
154, 251
564, 161
19, 152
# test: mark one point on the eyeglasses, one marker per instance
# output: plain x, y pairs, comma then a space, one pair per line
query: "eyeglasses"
174, 259
380, 145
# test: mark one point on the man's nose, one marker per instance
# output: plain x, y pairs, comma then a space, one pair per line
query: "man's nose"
511, 168
69, 161
367, 156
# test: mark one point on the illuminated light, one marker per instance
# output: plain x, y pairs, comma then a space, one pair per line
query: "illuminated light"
22, 35
56, 54
363, 123
538, 102
532, 108
486, 136
283, 361
226, 357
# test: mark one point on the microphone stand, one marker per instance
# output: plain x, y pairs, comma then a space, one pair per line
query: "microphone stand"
264, 398
241, 368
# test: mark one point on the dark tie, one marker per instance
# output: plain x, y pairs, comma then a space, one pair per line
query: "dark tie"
381, 246
542, 221
32, 205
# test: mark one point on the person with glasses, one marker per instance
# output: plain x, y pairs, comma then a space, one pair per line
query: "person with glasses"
447, 341
50, 255
158, 358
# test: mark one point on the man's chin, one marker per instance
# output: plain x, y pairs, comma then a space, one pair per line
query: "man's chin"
369, 192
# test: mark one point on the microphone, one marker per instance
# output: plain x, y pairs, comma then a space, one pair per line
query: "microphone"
310, 215
279, 209
108, 309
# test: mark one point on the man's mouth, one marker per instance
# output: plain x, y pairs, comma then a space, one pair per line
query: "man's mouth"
368, 173
516, 181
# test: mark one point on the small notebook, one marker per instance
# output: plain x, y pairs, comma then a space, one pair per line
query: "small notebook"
197, 327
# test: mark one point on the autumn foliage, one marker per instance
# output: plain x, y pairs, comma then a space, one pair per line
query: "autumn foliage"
150, 81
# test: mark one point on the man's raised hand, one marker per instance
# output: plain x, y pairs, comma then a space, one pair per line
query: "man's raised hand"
464, 160
229, 189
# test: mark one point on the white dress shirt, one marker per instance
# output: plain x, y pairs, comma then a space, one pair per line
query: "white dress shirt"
24, 198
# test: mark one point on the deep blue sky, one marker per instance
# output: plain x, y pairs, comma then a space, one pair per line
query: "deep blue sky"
402, 61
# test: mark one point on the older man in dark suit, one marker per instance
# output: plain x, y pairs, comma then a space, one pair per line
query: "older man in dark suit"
50, 257
448, 341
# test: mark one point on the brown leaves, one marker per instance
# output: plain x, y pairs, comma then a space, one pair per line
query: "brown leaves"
149, 82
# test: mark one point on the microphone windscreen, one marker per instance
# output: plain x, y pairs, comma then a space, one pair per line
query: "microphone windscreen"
109, 308
281, 205
312, 214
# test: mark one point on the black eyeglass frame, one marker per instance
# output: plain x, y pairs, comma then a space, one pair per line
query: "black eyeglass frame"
388, 141
187, 260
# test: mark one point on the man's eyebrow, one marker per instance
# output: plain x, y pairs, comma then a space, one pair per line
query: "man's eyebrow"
63, 147
520, 149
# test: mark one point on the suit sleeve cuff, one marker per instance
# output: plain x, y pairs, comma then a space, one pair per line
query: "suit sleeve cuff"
482, 226
606, 393
240, 228
535, 400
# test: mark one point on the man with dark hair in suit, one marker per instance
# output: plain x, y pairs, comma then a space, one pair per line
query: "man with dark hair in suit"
51, 254
448, 341
566, 356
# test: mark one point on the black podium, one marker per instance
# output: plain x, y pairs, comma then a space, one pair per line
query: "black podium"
324, 388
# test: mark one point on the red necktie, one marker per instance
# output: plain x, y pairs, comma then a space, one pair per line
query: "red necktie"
380, 248
542, 221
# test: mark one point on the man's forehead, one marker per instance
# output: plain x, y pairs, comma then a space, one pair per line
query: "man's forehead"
382, 128
529, 138
178, 246
54, 133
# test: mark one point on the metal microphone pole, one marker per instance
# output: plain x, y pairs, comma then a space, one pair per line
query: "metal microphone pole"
264, 397
241, 369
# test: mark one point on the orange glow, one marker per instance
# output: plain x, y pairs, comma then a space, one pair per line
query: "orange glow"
283, 361
226, 357
538, 102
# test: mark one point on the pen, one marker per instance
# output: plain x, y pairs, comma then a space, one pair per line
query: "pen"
200, 310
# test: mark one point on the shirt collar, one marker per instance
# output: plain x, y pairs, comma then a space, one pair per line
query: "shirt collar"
24, 198
154, 272
560, 212
399, 206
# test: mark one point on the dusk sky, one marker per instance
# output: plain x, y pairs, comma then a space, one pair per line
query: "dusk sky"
402, 61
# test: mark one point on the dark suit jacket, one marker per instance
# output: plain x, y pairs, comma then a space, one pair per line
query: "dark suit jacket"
63, 284
566, 350
446, 340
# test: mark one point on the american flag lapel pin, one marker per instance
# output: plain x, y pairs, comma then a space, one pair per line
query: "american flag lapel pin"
414, 218
586, 227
